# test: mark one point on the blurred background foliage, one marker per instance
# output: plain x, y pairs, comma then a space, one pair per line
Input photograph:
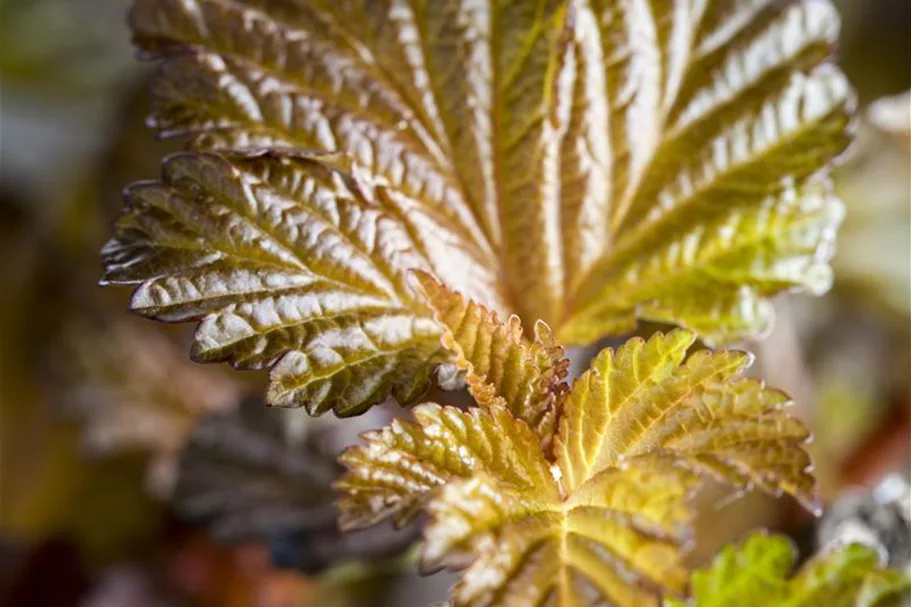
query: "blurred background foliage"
96, 405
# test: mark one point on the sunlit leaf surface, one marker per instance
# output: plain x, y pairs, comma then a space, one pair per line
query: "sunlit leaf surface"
601, 519
583, 162
502, 366
291, 264
757, 574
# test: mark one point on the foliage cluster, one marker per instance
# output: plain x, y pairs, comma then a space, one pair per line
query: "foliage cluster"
372, 185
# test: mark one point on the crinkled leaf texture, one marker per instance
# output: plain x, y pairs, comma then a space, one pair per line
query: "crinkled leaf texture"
584, 162
592, 509
757, 574
292, 264
246, 476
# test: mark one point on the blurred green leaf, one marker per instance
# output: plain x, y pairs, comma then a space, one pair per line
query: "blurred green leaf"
756, 574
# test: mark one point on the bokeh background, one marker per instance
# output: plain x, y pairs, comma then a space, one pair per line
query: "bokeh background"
96, 406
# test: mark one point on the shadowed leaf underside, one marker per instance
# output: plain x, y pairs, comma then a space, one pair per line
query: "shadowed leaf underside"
250, 479
582, 162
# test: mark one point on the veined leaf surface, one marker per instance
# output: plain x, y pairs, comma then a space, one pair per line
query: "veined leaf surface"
291, 264
757, 573
583, 162
599, 513
502, 366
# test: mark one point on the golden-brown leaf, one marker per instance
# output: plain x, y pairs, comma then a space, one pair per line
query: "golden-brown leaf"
644, 399
402, 465
290, 263
581, 162
604, 520
501, 364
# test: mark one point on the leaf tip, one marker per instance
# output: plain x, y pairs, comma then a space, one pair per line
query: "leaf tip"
423, 284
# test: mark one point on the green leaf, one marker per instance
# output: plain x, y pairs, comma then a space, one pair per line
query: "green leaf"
600, 513
757, 574
583, 162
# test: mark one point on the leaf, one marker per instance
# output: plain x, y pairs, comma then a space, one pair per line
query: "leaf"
616, 540
401, 465
527, 376
291, 264
248, 478
756, 574
583, 162
644, 398
132, 391
604, 518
